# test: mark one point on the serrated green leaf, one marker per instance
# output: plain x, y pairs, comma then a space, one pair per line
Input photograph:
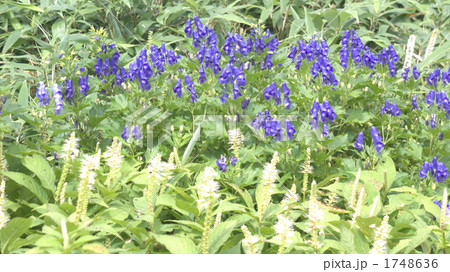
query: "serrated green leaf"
13, 230
39, 166
177, 244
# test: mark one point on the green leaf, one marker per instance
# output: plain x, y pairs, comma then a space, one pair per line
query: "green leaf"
310, 28
29, 183
191, 144
13, 230
177, 244
437, 54
24, 93
338, 142
26, 6
43, 171
220, 235
12, 39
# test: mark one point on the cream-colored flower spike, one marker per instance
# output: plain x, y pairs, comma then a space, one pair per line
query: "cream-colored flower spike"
235, 138
114, 158
207, 188
269, 176
381, 236
70, 148
352, 200
249, 240
431, 43
284, 232
409, 51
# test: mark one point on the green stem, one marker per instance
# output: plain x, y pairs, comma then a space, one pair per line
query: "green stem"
206, 228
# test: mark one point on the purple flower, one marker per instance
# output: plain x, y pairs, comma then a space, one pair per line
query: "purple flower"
392, 53
233, 160
325, 130
245, 103
224, 97
434, 77
430, 97
84, 84
432, 121
415, 72
377, 140
293, 52
136, 132
125, 134
414, 102
191, 88
177, 88
359, 143
42, 94
188, 28
202, 77
390, 108
438, 170
222, 163
405, 74
392, 70
69, 89
289, 129
57, 94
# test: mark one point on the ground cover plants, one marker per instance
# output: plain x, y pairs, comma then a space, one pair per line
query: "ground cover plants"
228, 143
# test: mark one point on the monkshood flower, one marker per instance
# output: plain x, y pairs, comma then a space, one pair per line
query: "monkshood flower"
441, 100
405, 74
446, 76
325, 130
57, 94
432, 121
390, 108
245, 103
42, 94
235, 76
84, 84
392, 53
345, 38
434, 77
356, 47
233, 160
327, 113
430, 98
125, 134
392, 70
236, 44
414, 102
293, 52
369, 59
415, 72
69, 89
377, 140
188, 28
290, 130
438, 170
202, 75
177, 88
191, 88
136, 132
222, 163
383, 57
359, 143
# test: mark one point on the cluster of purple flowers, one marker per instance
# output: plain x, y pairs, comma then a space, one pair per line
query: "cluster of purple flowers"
236, 77
205, 39
390, 108
135, 133
415, 73
262, 42
160, 56
432, 121
141, 70
107, 66
327, 115
441, 100
434, 77
236, 44
44, 98
177, 89
446, 76
222, 162
438, 170
317, 52
69, 89
272, 127
377, 140
271, 91
57, 95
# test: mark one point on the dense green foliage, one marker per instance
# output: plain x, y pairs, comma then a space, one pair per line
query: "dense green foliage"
134, 211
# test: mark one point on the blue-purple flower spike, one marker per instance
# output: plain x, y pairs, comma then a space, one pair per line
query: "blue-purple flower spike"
359, 143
